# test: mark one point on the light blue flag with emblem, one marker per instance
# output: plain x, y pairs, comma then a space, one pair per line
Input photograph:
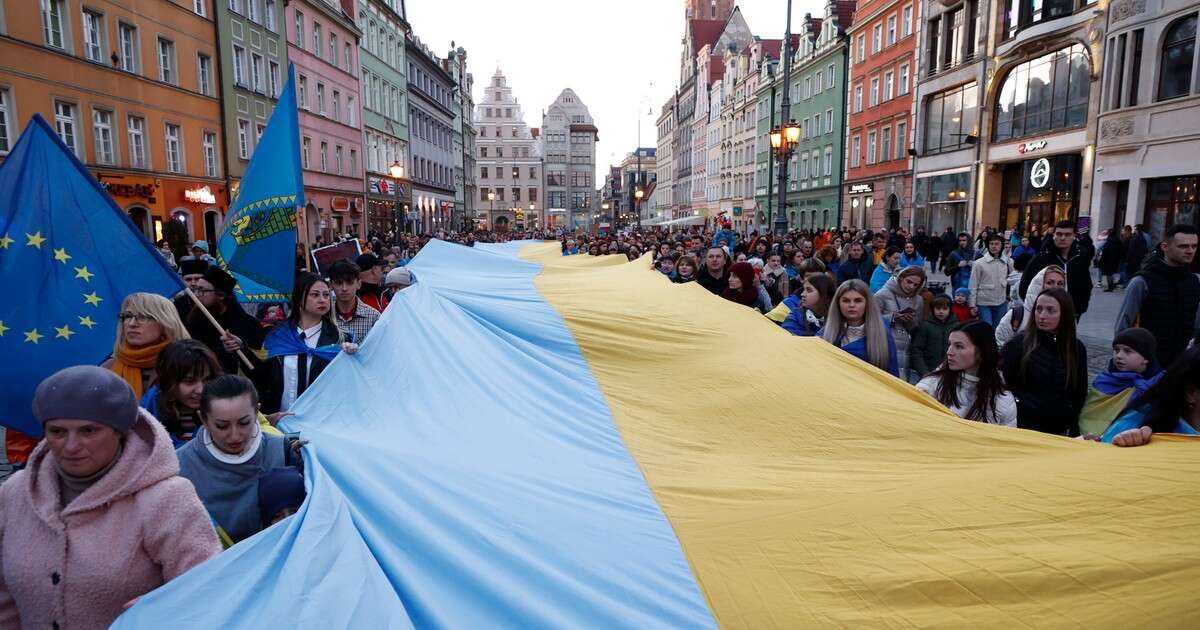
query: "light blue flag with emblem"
68, 256
258, 246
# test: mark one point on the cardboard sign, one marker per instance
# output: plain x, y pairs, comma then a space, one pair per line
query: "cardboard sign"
323, 257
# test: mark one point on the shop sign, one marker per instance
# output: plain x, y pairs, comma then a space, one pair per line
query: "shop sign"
341, 204
142, 191
1026, 147
1039, 175
200, 195
856, 189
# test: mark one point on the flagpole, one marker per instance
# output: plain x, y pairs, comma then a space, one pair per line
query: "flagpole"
213, 321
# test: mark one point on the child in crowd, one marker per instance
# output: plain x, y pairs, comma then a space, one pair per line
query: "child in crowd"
932, 337
961, 308
1132, 370
280, 494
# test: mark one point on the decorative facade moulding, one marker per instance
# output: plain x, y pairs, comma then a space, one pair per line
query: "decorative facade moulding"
1116, 127
1125, 9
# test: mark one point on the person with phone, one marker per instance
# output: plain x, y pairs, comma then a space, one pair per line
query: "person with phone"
903, 309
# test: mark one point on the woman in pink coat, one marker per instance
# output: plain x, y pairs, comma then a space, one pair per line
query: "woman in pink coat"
99, 517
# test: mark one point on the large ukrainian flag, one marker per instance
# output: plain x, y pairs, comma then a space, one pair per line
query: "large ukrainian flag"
528, 440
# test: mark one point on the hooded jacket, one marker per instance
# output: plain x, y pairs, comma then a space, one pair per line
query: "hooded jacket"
928, 347
891, 302
137, 528
1004, 330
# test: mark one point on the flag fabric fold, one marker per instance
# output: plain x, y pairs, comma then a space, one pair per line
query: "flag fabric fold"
258, 245
68, 256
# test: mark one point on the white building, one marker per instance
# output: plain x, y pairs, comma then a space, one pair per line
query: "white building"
568, 137
508, 163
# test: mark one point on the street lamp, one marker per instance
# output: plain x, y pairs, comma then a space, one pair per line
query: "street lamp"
604, 207
492, 214
530, 219
637, 206
397, 172
783, 141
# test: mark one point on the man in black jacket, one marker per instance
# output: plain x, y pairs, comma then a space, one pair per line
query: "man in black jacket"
242, 332
714, 273
1164, 297
1064, 251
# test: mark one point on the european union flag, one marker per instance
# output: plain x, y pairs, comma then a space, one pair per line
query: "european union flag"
68, 256
258, 246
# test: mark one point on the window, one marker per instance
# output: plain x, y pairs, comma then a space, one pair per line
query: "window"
817, 81
239, 65
204, 74
1049, 92
305, 151
336, 102
1019, 14
816, 124
64, 124
198, 6
347, 58
299, 29
269, 14
6, 118
906, 21
1136, 64
210, 154
807, 86
483, 194
483, 172
829, 76
903, 87
353, 163
252, 10
858, 98
804, 165
321, 99
828, 160
855, 151
333, 49
862, 47
877, 39
901, 140
93, 35
532, 175
53, 13
885, 144
888, 83
274, 78
483, 151
1178, 53
351, 112
166, 61
129, 46
102, 136
316, 36
516, 194
235, 6
137, 142
871, 147
828, 125
934, 29
533, 196
337, 159
302, 91
174, 149
891, 29
256, 69
243, 136
324, 157
950, 119
874, 91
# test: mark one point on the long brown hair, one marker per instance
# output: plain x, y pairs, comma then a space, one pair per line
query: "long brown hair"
991, 384
180, 360
1064, 337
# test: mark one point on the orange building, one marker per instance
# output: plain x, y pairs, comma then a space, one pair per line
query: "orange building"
132, 89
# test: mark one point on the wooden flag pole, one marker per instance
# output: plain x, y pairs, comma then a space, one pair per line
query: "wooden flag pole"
213, 321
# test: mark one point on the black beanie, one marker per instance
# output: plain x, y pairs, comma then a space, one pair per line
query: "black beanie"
220, 279
1140, 339
192, 266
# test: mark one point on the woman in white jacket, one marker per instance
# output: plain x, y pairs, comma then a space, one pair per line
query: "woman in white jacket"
968, 382
1052, 277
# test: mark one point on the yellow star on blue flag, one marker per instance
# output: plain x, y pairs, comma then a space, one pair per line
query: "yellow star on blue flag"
67, 254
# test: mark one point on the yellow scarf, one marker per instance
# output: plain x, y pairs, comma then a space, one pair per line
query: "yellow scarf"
129, 363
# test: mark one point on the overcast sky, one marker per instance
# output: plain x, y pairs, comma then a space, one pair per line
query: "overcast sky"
620, 56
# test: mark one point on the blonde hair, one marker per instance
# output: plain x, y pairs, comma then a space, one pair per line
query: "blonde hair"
156, 306
875, 332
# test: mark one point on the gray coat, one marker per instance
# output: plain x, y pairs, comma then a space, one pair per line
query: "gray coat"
891, 301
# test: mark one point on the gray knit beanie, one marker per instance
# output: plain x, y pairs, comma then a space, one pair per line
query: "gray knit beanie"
86, 392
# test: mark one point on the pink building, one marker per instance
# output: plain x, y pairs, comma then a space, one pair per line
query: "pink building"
323, 46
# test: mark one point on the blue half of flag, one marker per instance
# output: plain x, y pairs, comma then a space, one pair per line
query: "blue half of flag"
258, 246
68, 256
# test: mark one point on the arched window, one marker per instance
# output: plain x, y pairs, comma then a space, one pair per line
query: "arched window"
1178, 52
1045, 93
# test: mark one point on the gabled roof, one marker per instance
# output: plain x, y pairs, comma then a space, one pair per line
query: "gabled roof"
705, 33
814, 26
845, 13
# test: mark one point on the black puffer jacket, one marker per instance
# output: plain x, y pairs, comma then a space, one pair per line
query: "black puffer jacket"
1043, 401
1076, 264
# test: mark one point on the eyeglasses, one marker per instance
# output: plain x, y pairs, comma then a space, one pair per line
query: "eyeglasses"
140, 318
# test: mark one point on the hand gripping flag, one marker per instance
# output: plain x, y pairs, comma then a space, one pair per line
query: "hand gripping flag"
258, 246
68, 256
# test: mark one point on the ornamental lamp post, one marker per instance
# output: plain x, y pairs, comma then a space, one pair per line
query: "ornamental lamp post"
397, 172
492, 214
604, 208
784, 139
637, 206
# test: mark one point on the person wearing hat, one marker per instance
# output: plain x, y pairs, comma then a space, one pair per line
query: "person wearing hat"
242, 332
961, 305
200, 252
192, 271
396, 281
371, 275
100, 515
1133, 369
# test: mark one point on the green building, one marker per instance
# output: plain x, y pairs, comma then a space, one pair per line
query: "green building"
818, 105
251, 38
384, 86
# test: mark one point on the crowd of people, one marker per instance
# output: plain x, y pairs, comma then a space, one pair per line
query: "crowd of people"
169, 451
996, 342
